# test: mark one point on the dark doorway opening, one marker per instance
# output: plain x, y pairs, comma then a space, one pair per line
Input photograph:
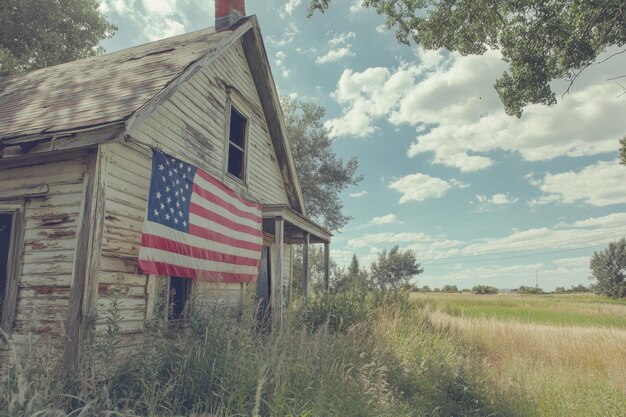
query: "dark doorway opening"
264, 288
180, 293
6, 222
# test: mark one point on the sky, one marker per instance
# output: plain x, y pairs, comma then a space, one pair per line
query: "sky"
481, 197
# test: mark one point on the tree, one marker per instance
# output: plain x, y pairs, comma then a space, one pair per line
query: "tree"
608, 268
316, 271
394, 268
354, 278
529, 290
484, 289
541, 40
622, 150
449, 288
37, 34
321, 173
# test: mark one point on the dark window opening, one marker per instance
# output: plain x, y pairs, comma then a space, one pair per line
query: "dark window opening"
237, 144
180, 293
6, 221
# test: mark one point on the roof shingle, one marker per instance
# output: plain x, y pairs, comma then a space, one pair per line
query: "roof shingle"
97, 90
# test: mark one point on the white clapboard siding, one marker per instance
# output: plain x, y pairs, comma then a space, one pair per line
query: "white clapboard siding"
50, 230
192, 126
126, 192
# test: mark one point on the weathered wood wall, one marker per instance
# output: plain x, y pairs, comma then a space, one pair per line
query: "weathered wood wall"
50, 230
190, 125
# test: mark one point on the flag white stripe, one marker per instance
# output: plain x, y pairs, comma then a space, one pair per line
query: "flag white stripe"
199, 242
159, 255
216, 227
199, 200
224, 196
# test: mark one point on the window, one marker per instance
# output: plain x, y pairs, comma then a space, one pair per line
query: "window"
180, 293
6, 223
237, 144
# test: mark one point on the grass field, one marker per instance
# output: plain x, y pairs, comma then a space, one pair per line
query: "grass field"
349, 355
551, 355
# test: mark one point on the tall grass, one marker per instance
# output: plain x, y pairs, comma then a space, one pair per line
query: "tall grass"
546, 370
348, 355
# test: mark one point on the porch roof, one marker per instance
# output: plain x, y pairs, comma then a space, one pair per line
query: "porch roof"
295, 225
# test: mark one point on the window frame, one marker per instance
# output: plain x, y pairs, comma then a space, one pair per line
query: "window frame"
14, 265
232, 106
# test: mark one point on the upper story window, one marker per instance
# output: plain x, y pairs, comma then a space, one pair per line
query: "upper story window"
237, 138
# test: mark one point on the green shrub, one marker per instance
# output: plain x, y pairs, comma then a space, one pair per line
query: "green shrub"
449, 288
529, 290
484, 289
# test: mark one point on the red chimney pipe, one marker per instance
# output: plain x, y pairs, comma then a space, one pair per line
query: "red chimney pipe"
228, 12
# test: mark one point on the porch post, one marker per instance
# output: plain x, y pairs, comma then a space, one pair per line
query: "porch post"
305, 265
326, 267
278, 271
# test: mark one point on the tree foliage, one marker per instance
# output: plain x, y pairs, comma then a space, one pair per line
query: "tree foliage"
395, 268
316, 271
484, 289
321, 173
529, 290
450, 288
39, 33
542, 40
622, 150
354, 278
608, 268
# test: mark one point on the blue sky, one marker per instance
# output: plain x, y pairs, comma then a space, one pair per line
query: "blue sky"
482, 198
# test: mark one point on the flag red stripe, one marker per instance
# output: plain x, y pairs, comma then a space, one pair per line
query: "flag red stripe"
223, 221
199, 231
207, 195
158, 242
222, 187
160, 268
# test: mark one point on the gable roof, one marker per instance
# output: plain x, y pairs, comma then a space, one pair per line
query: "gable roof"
96, 90
125, 86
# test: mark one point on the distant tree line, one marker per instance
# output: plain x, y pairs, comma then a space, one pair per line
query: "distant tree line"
573, 289
392, 270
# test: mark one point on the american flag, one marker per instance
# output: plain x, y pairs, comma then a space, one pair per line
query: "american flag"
196, 227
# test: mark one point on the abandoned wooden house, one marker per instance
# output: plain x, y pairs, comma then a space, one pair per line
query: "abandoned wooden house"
77, 147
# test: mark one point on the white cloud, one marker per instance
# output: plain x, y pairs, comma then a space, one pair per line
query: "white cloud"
589, 233
454, 96
609, 221
420, 187
157, 19
458, 183
290, 7
496, 199
575, 262
386, 219
356, 6
358, 194
341, 38
382, 29
600, 184
161, 7
288, 36
164, 29
334, 55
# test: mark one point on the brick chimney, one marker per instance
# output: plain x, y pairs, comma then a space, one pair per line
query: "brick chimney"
228, 12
